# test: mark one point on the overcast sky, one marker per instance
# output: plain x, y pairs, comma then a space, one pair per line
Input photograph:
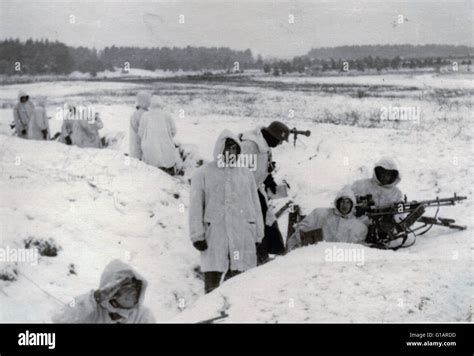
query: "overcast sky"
262, 26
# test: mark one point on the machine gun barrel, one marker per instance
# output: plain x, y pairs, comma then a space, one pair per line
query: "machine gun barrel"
442, 201
297, 132
407, 207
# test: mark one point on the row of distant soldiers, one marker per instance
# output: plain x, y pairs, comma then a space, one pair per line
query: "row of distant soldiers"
32, 122
152, 130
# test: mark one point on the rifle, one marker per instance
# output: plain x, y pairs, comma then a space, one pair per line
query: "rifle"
283, 208
297, 132
383, 228
294, 217
210, 321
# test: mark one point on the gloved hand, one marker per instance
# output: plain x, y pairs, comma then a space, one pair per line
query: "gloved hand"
68, 140
200, 245
270, 184
45, 133
359, 211
23, 132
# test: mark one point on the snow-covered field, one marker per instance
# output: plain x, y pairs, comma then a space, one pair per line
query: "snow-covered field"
107, 74
430, 80
97, 205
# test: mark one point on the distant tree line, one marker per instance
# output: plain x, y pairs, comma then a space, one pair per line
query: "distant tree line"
390, 51
305, 64
380, 58
189, 58
36, 57
47, 57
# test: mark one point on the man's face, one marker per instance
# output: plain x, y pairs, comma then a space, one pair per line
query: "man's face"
231, 149
127, 297
386, 176
24, 99
344, 205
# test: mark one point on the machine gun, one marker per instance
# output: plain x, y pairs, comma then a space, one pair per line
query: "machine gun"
384, 227
297, 132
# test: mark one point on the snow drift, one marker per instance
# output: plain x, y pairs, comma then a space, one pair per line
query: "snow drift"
93, 206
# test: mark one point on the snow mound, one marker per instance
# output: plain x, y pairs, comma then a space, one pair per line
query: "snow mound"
332, 282
94, 205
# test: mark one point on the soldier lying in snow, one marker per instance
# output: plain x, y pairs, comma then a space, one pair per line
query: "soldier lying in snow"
119, 299
337, 224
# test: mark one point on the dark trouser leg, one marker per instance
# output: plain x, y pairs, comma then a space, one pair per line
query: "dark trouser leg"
263, 205
273, 240
262, 252
231, 274
211, 281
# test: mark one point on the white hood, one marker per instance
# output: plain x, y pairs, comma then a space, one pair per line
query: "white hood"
144, 99
345, 192
111, 281
41, 101
257, 137
389, 164
220, 143
22, 93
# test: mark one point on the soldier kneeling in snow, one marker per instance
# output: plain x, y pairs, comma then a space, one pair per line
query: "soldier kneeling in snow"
225, 218
337, 224
119, 299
